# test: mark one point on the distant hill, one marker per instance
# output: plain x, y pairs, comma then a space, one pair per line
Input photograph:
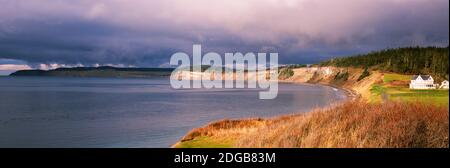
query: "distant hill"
104, 71
410, 60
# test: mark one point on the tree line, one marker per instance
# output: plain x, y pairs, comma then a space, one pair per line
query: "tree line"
408, 60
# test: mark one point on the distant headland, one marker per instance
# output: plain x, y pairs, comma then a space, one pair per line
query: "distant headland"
103, 71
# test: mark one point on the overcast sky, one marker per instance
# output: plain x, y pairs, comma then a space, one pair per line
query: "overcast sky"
51, 33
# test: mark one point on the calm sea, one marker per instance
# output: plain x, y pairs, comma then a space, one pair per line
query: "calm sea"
123, 112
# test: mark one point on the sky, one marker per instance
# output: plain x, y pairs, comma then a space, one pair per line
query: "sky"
46, 34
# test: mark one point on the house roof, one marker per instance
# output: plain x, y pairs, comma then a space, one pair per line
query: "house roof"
424, 77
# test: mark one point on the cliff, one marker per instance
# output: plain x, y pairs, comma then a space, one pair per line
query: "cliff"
345, 78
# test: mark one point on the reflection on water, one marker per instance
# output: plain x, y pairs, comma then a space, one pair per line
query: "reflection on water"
118, 112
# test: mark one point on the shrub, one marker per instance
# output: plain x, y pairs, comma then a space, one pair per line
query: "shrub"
364, 74
341, 76
286, 73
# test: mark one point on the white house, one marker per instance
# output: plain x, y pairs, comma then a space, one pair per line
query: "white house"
444, 84
422, 82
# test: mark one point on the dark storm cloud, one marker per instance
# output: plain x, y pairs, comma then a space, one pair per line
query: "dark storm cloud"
72, 41
147, 33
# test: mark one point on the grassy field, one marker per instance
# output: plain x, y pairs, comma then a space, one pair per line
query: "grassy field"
389, 77
357, 124
395, 87
354, 124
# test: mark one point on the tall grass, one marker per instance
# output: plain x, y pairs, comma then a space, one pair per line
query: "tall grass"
357, 124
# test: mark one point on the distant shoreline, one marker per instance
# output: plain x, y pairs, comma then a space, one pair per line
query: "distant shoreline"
104, 71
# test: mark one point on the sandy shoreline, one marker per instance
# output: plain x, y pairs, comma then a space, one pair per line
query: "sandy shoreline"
351, 94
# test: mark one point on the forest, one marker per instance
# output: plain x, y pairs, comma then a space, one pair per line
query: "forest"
408, 60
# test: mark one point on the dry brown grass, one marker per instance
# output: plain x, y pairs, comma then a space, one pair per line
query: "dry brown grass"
357, 124
354, 124
230, 128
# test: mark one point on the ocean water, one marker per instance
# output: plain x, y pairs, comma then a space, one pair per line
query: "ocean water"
127, 112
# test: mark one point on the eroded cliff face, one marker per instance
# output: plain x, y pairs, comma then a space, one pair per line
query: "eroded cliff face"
310, 75
343, 77
253, 75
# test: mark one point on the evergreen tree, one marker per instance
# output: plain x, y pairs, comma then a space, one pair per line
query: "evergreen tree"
409, 60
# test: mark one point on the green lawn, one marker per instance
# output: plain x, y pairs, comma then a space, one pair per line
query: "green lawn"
389, 77
429, 96
205, 142
386, 90
377, 90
